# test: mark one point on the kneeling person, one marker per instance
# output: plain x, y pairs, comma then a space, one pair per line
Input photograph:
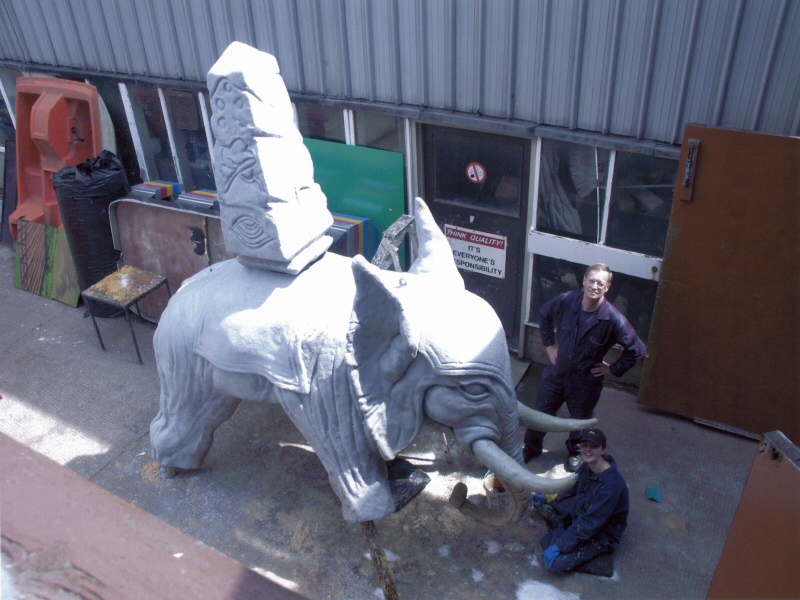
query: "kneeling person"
588, 519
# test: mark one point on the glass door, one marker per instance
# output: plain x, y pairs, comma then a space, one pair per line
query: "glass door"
476, 186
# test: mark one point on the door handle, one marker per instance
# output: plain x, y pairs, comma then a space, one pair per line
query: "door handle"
691, 162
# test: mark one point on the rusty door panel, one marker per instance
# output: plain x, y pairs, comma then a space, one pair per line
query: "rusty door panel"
725, 339
761, 557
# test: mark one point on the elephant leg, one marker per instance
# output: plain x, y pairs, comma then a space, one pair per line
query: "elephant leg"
191, 409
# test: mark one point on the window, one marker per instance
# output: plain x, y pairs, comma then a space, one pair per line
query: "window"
191, 143
321, 122
125, 149
572, 189
641, 202
379, 131
620, 203
481, 172
149, 118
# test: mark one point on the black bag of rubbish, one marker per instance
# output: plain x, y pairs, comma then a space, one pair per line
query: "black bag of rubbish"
84, 193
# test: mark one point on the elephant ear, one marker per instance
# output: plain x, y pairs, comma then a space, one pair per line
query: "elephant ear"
382, 344
435, 256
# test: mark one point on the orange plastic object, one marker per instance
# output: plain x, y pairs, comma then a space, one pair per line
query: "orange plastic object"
58, 125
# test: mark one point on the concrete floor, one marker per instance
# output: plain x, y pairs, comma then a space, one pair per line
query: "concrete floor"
263, 498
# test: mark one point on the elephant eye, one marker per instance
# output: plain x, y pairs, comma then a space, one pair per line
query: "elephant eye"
475, 389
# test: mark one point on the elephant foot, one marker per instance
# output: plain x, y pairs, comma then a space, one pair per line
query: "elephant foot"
405, 481
166, 472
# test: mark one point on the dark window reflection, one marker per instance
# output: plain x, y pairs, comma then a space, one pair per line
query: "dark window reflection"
478, 171
321, 122
152, 132
125, 150
379, 131
641, 202
191, 143
572, 190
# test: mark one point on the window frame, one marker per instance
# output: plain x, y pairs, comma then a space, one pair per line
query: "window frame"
631, 263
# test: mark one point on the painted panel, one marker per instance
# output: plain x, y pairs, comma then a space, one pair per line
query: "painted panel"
44, 263
362, 182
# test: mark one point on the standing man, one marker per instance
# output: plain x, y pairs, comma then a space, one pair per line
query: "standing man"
588, 327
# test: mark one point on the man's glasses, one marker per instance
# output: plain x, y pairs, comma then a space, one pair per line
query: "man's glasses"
596, 284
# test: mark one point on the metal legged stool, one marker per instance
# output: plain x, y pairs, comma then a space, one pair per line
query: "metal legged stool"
123, 289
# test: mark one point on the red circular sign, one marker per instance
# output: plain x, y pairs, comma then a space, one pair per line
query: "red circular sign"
476, 172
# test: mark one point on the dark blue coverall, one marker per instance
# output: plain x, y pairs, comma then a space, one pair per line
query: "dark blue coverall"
571, 378
597, 511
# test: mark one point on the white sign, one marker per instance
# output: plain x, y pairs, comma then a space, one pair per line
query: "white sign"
477, 251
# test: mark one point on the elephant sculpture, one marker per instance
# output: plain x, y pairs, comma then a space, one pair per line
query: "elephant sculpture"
360, 359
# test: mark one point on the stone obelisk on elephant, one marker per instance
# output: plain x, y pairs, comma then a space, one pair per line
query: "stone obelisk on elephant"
360, 358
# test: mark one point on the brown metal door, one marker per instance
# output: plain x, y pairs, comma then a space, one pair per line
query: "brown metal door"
725, 340
761, 557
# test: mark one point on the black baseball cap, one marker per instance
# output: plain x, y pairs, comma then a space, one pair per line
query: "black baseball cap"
595, 436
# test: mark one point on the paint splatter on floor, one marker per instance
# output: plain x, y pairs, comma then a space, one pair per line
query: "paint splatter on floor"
536, 590
493, 547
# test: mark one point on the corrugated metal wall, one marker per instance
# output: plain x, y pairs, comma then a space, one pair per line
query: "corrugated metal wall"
633, 68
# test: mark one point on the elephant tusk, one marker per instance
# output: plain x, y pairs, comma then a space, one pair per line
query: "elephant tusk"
511, 473
539, 421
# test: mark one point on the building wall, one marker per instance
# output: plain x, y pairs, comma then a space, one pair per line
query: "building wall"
630, 68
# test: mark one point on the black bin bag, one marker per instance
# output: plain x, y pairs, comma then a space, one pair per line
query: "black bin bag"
84, 193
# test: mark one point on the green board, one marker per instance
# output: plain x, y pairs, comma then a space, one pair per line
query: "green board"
362, 182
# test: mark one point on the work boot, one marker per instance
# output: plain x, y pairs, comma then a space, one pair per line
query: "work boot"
573, 462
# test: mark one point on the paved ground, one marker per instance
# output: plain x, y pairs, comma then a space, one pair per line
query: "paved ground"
264, 500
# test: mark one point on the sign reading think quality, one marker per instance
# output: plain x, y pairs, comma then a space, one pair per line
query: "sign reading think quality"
477, 251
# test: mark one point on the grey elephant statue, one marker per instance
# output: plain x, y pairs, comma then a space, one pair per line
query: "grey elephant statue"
360, 358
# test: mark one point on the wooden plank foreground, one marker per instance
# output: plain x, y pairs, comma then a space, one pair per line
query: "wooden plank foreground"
61, 532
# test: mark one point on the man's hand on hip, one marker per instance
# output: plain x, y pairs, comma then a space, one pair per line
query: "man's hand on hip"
601, 369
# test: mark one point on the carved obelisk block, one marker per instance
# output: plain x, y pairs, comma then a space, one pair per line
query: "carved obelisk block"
274, 215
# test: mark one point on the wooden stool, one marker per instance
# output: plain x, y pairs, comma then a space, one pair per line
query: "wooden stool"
122, 289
